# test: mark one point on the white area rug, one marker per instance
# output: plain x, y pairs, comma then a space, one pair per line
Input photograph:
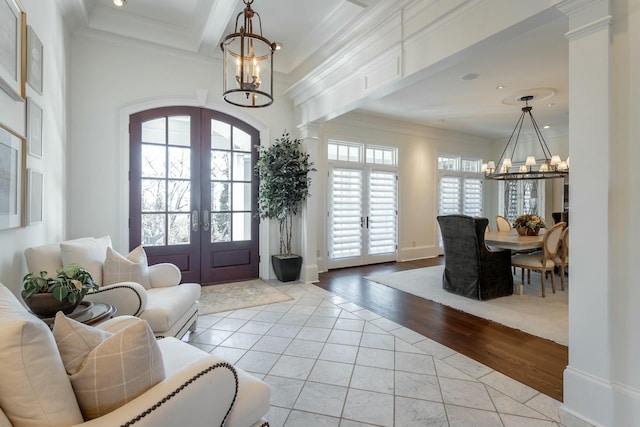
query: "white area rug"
543, 317
233, 296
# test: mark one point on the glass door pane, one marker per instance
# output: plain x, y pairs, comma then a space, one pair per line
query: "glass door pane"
231, 175
165, 181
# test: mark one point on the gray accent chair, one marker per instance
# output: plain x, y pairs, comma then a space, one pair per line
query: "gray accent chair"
471, 269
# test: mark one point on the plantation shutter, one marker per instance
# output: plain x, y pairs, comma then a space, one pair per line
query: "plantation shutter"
382, 222
450, 195
472, 197
346, 217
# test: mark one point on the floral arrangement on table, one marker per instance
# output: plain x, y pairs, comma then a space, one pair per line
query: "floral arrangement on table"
532, 222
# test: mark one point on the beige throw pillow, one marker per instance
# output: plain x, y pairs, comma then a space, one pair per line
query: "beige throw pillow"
120, 366
90, 253
75, 341
132, 268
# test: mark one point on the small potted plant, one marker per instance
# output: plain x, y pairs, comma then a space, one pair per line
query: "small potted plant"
45, 296
283, 170
529, 225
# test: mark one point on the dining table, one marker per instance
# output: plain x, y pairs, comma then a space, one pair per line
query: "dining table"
511, 240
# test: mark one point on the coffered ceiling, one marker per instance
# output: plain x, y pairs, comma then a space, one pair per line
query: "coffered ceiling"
463, 96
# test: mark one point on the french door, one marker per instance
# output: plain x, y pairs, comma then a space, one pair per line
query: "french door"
193, 192
363, 216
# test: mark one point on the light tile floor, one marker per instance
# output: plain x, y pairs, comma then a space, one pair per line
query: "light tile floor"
330, 362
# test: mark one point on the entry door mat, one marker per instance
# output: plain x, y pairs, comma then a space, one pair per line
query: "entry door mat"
237, 295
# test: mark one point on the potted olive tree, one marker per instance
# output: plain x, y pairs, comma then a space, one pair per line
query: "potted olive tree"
283, 170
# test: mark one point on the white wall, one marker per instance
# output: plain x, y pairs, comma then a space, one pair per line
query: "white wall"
113, 79
47, 22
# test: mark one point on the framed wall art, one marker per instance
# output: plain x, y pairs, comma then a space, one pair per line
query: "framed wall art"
11, 170
34, 128
35, 192
35, 53
12, 22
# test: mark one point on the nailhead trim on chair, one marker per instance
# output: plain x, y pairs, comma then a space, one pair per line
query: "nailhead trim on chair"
183, 386
123, 286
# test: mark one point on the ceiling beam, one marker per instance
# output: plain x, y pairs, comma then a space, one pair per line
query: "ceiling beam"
222, 12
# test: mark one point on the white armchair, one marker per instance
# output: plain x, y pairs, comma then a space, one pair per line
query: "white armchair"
170, 308
199, 390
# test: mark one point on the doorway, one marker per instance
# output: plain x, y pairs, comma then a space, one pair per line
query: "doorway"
193, 192
363, 204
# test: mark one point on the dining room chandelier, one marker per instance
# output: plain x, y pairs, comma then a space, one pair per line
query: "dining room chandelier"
550, 166
248, 63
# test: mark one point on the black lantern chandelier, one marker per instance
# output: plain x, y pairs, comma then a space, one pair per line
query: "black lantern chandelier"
248, 63
551, 166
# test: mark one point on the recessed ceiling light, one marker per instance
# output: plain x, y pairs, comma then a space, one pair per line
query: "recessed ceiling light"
546, 127
470, 76
119, 3
550, 104
500, 87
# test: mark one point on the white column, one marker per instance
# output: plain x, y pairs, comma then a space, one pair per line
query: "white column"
587, 380
310, 216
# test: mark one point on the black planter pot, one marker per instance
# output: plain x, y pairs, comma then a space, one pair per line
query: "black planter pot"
287, 268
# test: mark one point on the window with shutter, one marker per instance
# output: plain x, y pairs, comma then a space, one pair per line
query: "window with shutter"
460, 186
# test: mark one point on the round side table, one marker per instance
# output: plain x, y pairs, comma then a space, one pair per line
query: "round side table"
89, 315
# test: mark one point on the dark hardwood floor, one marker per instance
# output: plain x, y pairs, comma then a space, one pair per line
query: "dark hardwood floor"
534, 361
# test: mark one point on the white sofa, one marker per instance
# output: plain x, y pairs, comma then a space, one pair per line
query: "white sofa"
199, 389
170, 308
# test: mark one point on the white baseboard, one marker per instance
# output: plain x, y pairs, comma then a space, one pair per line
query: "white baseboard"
309, 273
568, 418
617, 404
581, 390
626, 405
418, 252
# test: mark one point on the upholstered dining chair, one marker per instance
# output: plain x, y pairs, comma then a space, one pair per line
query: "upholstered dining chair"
542, 261
502, 223
562, 257
470, 268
